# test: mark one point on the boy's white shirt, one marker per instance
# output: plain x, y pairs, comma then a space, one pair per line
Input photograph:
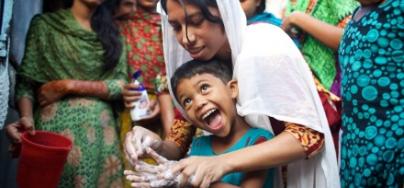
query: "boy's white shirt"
274, 80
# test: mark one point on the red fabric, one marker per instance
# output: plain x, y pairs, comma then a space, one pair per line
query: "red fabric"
260, 140
333, 112
143, 40
178, 115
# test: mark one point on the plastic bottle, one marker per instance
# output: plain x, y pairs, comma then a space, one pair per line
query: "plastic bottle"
140, 107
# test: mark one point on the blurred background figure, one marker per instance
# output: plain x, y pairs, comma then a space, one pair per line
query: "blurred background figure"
276, 7
143, 41
14, 35
142, 33
6, 13
72, 71
317, 26
255, 12
125, 9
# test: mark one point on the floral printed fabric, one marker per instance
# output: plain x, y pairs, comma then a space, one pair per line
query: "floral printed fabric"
143, 40
58, 48
311, 140
181, 134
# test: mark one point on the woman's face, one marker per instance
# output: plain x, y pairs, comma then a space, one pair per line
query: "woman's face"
202, 39
250, 7
147, 4
125, 9
91, 3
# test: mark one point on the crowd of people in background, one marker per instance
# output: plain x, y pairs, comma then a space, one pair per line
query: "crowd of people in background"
240, 96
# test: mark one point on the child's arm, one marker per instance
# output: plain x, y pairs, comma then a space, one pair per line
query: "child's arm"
327, 34
167, 111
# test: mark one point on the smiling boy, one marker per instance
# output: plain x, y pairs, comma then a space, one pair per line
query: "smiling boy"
207, 93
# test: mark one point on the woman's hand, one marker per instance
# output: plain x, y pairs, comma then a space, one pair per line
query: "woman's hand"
137, 141
14, 131
153, 113
52, 91
291, 21
202, 170
130, 94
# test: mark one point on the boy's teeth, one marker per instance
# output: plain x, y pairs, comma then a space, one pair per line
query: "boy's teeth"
208, 113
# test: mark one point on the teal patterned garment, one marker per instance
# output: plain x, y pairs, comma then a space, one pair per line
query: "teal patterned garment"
265, 17
372, 62
202, 146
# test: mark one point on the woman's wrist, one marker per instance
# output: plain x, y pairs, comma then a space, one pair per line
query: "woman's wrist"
295, 18
28, 118
68, 86
229, 165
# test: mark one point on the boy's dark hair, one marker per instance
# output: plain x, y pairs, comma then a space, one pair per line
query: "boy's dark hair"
220, 69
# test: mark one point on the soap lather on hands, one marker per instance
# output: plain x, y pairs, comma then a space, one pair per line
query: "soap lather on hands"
160, 175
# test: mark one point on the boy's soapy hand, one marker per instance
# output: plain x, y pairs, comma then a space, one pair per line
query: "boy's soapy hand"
148, 175
137, 141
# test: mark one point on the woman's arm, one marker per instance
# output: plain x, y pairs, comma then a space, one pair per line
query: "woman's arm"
262, 156
268, 154
327, 34
54, 90
25, 107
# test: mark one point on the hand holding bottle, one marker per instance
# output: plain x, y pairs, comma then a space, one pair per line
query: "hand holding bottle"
140, 108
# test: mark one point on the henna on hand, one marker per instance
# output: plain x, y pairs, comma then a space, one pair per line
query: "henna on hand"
52, 91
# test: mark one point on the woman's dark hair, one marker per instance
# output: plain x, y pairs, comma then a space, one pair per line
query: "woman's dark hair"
203, 5
220, 69
102, 22
261, 7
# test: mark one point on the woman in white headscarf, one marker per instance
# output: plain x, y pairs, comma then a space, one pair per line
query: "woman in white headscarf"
274, 81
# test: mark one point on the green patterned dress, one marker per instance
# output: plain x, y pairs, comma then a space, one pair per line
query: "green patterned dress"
59, 48
321, 59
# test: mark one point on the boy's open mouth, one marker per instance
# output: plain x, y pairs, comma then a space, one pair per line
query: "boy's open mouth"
213, 119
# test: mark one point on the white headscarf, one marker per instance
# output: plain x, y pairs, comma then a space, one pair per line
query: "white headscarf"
274, 80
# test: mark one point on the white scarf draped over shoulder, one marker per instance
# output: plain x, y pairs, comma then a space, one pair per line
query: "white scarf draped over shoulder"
274, 80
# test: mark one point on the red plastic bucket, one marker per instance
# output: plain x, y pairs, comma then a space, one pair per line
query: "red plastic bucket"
42, 159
